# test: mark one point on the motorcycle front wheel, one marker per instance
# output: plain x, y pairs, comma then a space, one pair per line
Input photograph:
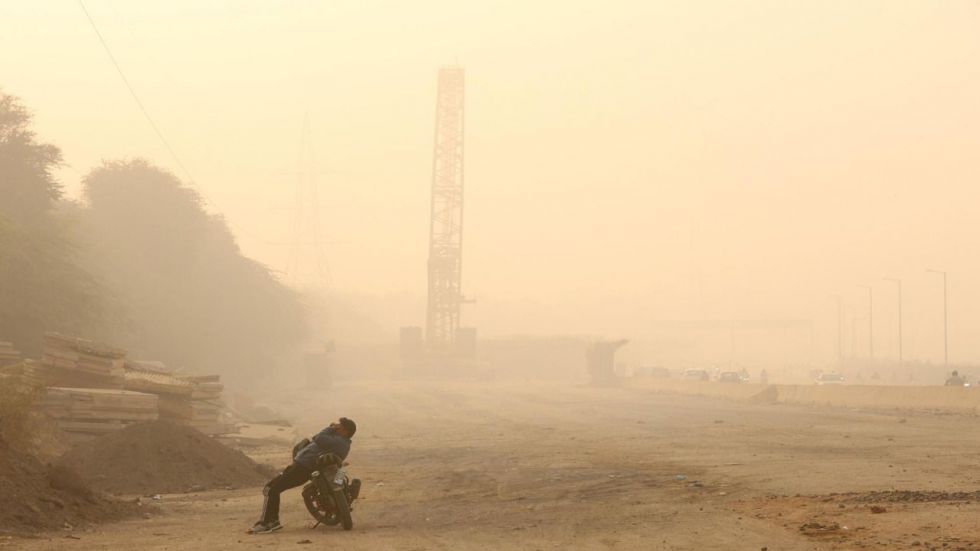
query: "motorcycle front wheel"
343, 509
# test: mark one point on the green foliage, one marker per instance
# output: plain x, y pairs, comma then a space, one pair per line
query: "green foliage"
141, 264
42, 287
191, 298
27, 185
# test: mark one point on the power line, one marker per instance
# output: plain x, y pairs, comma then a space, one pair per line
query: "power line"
156, 129
306, 220
136, 98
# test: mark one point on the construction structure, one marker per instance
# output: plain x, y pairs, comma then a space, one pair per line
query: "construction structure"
445, 267
601, 358
443, 341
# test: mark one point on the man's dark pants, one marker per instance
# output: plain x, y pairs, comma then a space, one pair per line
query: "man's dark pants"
291, 477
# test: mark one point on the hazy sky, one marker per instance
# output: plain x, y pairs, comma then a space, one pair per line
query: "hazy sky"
627, 161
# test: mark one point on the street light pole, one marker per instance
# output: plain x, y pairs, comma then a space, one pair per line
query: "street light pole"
899, 282
840, 332
945, 318
871, 342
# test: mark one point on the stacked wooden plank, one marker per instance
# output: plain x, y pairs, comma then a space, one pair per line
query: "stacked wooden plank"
204, 416
74, 362
22, 374
94, 411
157, 383
206, 387
204, 409
206, 405
149, 366
8, 354
191, 400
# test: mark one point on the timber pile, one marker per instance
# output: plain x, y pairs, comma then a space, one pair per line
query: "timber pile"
23, 374
95, 411
8, 355
203, 410
74, 362
191, 401
202, 415
206, 405
206, 387
157, 383
96, 389
148, 366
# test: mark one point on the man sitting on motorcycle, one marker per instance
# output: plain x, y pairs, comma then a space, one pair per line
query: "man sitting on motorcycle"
333, 439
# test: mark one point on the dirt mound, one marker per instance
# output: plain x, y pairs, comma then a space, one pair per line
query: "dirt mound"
35, 497
160, 457
911, 496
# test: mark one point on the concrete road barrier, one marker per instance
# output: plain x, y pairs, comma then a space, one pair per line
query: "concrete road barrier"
941, 398
712, 389
935, 398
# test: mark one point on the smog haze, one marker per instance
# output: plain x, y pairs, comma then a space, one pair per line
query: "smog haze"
630, 166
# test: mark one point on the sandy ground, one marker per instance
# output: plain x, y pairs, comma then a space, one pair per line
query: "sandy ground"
467, 466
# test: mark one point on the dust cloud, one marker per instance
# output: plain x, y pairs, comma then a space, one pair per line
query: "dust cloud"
680, 226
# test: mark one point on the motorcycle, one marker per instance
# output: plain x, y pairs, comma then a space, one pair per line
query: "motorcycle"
329, 495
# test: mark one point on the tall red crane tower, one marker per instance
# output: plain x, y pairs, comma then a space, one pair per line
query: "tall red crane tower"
446, 224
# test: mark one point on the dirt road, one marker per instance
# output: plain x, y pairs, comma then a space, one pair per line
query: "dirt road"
466, 466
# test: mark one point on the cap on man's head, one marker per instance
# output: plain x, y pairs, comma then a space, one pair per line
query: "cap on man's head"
349, 426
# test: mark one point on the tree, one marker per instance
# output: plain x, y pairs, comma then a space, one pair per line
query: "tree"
27, 185
190, 297
42, 287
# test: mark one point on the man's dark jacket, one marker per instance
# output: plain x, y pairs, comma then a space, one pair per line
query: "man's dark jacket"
327, 441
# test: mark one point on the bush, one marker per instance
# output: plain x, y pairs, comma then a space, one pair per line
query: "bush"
16, 412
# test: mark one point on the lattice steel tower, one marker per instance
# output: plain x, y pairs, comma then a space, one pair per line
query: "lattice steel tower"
446, 223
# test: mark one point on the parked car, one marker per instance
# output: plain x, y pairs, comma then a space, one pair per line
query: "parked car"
830, 379
730, 377
695, 375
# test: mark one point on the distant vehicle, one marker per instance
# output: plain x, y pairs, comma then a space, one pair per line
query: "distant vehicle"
730, 377
956, 380
655, 372
830, 379
695, 375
